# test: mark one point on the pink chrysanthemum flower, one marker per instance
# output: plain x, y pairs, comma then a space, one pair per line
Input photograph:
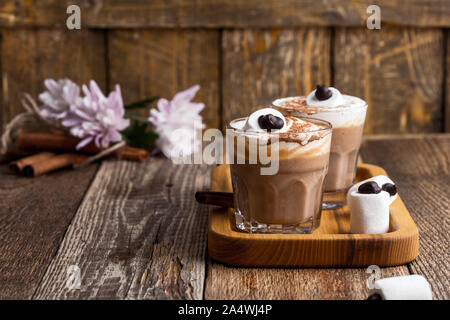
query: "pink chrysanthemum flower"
96, 117
177, 122
58, 98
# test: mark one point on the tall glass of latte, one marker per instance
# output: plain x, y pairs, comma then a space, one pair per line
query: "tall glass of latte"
347, 115
288, 198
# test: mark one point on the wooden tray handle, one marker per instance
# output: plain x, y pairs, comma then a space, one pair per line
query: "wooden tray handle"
223, 199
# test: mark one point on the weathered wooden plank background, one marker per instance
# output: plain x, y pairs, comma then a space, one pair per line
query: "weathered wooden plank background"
242, 52
224, 13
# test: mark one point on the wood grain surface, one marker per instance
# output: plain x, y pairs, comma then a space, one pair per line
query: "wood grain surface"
224, 13
262, 65
163, 62
447, 84
421, 170
139, 234
29, 56
230, 283
398, 71
34, 216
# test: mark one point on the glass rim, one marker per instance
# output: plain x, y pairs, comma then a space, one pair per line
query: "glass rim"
323, 109
328, 124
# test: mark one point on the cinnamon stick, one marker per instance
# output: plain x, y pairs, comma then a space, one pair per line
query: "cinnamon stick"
223, 199
129, 153
46, 141
54, 163
13, 155
18, 165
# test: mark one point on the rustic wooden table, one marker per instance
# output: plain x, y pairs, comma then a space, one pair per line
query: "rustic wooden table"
135, 232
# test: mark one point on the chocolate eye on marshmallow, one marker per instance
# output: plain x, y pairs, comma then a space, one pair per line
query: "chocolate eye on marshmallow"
390, 188
325, 97
270, 122
323, 92
370, 187
266, 119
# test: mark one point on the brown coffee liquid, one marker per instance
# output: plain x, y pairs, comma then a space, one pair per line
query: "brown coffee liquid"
345, 144
292, 196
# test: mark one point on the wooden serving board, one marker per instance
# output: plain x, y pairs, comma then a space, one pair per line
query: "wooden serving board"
330, 245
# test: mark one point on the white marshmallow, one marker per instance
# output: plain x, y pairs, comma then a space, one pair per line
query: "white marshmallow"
369, 213
333, 101
411, 287
252, 121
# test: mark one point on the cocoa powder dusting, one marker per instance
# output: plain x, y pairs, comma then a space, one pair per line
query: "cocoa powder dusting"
299, 104
298, 128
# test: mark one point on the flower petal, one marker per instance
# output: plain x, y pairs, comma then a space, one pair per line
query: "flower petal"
84, 143
186, 95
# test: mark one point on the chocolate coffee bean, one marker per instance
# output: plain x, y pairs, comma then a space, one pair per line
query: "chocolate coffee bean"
270, 122
263, 123
375, 296
323, 92
275, 122
390, 188
369, 187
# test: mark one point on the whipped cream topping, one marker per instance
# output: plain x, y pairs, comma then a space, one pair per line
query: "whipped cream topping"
295, 133
315, 146
300, 103
334, 100
292, 125
341, 111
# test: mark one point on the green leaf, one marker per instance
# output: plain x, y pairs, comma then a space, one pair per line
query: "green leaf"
136, 118
139, 135
141, 104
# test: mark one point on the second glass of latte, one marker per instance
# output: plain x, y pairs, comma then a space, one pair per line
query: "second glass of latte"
347, 115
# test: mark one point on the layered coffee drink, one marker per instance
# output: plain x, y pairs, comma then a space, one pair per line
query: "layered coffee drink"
347, 115
289, 199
